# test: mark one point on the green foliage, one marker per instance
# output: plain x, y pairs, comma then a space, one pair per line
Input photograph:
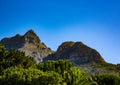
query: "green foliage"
18, 69
75, 76
13, 58
48, 78
16, 57
106, 79
40, 66
3, 54
70, 43
30, 76
37, 76
58, 66
71, 75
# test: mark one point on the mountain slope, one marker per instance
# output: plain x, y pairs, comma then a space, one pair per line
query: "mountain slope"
29, 43
84, 57
77, 52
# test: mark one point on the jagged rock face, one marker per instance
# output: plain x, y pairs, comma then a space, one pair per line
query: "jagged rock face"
29, 43
31, 37
78, 53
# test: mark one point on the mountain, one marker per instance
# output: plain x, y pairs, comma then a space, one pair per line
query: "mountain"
86, 58
77, 52
81, 55
29, 43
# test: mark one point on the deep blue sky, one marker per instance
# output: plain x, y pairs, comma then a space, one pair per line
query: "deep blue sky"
94, 22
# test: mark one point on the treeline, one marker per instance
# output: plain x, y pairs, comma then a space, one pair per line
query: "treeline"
18, 69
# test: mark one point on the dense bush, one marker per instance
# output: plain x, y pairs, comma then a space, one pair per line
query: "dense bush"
30, 76
3, 54
75, 76
13, 58
106, 79
57, 66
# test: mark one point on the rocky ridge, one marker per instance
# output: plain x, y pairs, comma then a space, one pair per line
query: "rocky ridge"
28, 43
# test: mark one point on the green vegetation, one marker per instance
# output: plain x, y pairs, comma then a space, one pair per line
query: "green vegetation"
106, 79
70, 43
30, 76
18, 69
13, 58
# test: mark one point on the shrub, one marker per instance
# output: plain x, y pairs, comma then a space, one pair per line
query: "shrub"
30, 76
58, 66
106, 79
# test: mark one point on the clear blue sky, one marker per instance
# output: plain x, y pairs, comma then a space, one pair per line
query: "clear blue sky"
94, 22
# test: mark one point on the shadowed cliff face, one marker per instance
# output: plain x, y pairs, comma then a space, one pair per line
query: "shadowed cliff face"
29, 43
78, 53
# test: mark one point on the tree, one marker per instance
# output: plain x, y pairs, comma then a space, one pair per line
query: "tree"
3, 54
58, 66
75, 76
15, 58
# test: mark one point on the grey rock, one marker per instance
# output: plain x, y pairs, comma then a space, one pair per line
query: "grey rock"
28, 43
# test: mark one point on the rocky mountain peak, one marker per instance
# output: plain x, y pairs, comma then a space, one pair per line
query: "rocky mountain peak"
18, 35
28, 43
31, 37
70, 46
30, 32
65, 45
77, 52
